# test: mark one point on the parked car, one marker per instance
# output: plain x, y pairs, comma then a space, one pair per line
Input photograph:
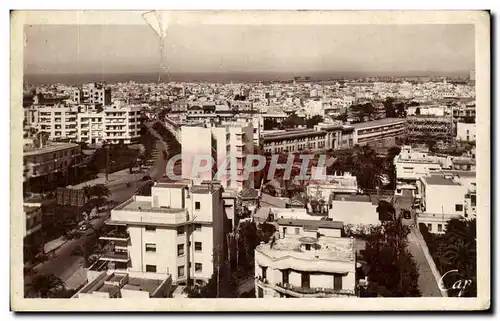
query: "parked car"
84, 227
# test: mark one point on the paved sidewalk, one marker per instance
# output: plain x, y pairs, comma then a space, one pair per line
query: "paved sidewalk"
426, 279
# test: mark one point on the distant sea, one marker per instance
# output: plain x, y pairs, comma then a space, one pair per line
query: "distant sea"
227, 77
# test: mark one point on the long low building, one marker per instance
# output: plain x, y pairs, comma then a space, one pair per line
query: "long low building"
383, 131
335, 136
322, 137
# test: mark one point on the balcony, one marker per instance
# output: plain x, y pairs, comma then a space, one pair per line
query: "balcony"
116, 257
116, 235
304, 292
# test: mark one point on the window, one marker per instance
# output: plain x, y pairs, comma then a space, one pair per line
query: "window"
197, 205
337, 282
150, 268
197, 227
198, 267
440, 227
264, 270
473, 200
197, 246
297, 230
308, 247
180, 230
260, 293
459, 207
305, 280
150, 228
429, 227
180, 249
150, 247
284, 276
180, 271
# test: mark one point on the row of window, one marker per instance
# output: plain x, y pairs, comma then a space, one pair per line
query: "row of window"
305, 278
439, 227
198, 267
198, 247
180, 229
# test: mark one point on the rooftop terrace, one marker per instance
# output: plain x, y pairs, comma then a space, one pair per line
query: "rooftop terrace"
52, 147
440, 180
146, 206
326, 248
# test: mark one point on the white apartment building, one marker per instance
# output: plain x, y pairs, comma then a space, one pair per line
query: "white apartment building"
306, 259
466, 132
322, 188
92, 93
178, 230
122, 124
443, 198
58, 121
87, 123
411, 164
91, 127
227, 143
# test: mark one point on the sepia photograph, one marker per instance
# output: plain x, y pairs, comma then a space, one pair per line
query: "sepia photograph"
248, 157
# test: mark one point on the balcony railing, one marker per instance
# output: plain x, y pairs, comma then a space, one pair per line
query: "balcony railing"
116, 235
116, 256
299, 291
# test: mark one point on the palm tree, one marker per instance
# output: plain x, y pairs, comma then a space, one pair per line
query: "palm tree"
46, 285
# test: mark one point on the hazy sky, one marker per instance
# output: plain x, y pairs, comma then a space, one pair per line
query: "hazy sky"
236, 48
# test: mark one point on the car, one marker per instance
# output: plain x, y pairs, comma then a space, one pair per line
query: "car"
84, 227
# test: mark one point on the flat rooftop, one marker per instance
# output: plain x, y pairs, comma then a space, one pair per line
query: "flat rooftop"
109, 284
310, 224
146, 206
460, 173
292, 134
379, 122
325, 248
52, 147
440, 180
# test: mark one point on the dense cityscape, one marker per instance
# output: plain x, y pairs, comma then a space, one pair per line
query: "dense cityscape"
112, 211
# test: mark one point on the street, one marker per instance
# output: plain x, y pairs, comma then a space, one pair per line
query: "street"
426, 281
63, 265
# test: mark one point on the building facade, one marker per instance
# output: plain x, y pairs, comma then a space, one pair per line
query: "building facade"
306, 259
443, 198
32, 232
466, 132
381, 131
122, 124
50, 159
179, 230
228, 144
92, 93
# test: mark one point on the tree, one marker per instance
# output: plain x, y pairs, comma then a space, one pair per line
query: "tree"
96, 195
392, 270
386, 211
389, 107
313, 121
46, 286
270, 124
457, 250
293, 121
342, 117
